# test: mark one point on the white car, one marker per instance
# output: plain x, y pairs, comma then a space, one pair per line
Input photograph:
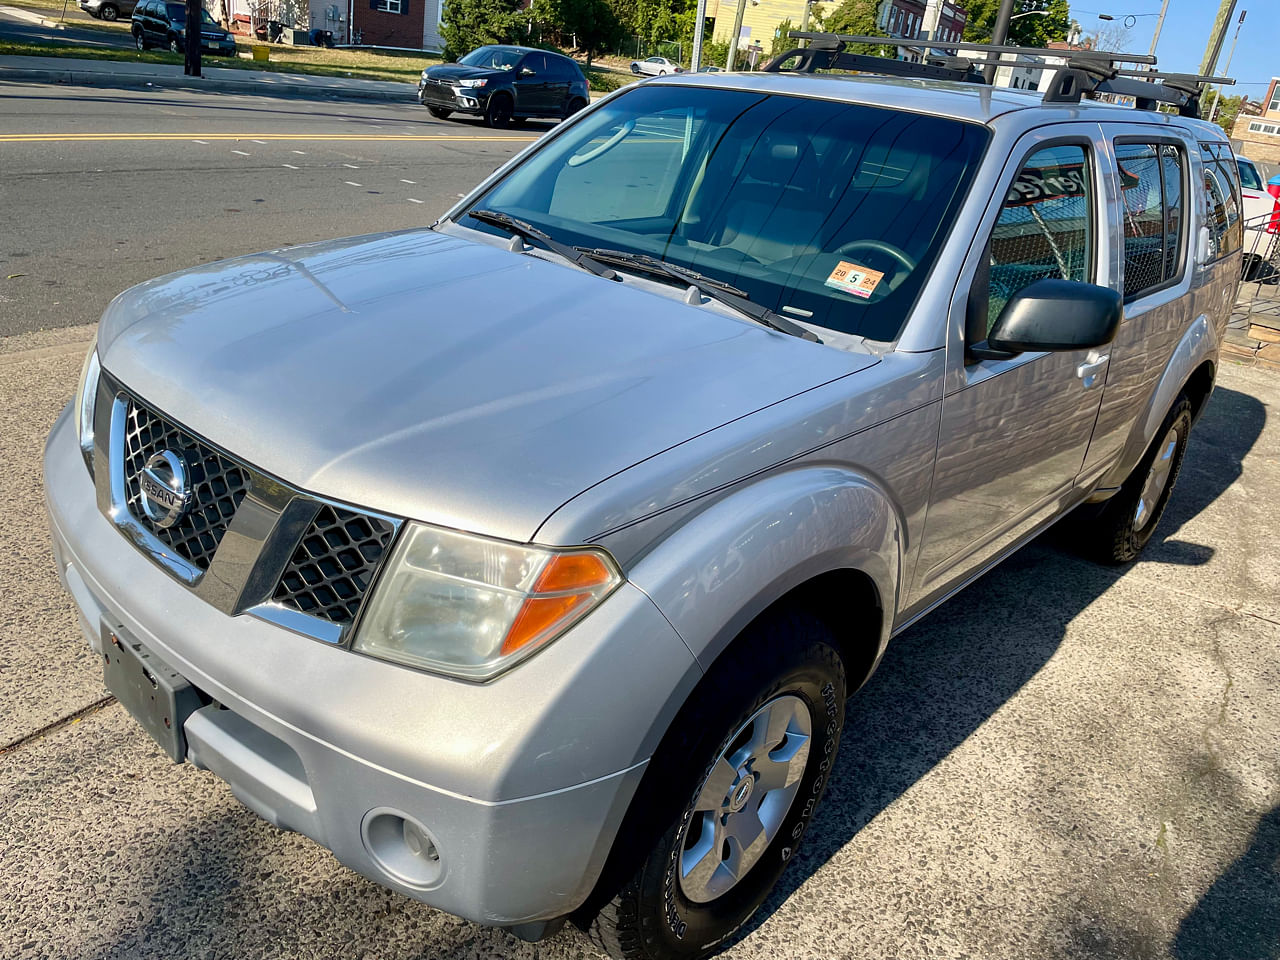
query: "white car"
655, 67
1260, 253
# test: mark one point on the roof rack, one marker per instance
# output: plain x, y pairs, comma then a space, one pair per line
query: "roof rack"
1087, 72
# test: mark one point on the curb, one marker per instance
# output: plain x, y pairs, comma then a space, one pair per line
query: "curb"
29, 17
102, 78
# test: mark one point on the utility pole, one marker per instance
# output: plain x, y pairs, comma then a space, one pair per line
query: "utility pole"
191, 42
999, 34
1225, 9
1217, 92
731, 62
1155, 37
804, 20
699, 26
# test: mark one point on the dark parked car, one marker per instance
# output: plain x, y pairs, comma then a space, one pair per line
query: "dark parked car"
502, 84
160, 24
108, 9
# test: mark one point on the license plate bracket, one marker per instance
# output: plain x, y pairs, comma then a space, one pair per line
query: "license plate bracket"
155, 694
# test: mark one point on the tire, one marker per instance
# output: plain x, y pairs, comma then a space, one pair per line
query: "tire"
573, 106
635, 69
672, 894
498, 113
175, 45
109, 12
440, 113
140, 41
1129, 519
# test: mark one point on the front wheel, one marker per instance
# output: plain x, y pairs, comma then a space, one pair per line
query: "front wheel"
499, 112
109, 12
440, 113
175, 45
764, 732
1128, 520
139, 41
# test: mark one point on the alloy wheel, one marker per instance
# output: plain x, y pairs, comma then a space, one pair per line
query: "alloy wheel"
745, 798
1157, 480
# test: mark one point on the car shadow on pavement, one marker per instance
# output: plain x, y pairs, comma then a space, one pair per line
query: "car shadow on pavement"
942, 679
1239, 916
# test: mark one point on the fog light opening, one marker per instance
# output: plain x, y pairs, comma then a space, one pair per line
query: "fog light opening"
402, 848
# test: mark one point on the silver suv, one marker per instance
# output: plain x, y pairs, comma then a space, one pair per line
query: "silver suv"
526, 561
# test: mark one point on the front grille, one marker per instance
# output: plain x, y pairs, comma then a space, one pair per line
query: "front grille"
332, 567
217, 484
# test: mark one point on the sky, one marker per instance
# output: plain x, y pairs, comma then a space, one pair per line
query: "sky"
1187, 26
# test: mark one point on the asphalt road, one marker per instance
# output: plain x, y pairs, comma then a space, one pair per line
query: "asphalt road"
121, 186
1067, 761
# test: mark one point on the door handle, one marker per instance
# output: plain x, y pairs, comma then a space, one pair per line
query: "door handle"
1089, 369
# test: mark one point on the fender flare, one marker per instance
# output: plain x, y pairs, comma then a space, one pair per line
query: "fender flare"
1198, 344
722, 568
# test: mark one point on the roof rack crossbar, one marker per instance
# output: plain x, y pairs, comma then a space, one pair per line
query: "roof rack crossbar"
1085, 71
917, 43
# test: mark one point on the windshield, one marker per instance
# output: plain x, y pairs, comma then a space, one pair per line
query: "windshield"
496, 58
1249, 175
830, 213
178, 14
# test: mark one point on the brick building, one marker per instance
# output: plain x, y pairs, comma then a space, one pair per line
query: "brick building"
1259, 134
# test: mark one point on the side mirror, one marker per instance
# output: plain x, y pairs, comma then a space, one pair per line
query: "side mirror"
1053, 315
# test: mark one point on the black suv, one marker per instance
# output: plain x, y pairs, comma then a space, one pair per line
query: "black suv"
503, 84
157, 23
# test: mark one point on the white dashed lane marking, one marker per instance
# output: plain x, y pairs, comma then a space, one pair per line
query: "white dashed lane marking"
263, 142
289, 165
301, 153
352, 183
351, 166
205, 142
242, 153
412, 200
409, 181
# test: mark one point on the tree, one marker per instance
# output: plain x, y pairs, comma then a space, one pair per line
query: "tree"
468, 24
1047, 22
1228, 110
857, 17
782, 41
592, 24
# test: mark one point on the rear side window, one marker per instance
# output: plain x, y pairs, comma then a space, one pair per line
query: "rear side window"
1151, 200
1222, 194
1249, 175
1045, 228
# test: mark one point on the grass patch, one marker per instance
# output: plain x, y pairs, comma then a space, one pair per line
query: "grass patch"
315, 61
606, 81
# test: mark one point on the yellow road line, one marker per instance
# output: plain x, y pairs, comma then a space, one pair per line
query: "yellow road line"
345, 137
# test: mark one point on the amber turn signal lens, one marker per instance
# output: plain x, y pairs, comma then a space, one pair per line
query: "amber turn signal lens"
538, 615
572, 571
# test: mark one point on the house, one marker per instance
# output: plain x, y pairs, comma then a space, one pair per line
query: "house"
899, 18
407, 24
1258, 134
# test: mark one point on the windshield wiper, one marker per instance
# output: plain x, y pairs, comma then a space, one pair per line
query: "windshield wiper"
725, 293
529, 232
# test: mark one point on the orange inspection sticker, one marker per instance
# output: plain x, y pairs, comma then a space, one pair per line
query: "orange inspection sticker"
851, 278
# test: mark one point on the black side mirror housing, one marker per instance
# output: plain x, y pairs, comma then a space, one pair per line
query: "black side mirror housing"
1053, 315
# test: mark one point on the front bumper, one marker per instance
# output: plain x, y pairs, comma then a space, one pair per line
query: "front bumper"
519, 784
448, 97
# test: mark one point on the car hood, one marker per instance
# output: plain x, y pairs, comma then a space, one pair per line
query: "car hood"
457, 71
443, 379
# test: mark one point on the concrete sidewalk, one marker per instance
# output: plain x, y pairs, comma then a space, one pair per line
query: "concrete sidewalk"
119, 73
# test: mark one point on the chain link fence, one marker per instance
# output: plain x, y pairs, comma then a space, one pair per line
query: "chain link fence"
636, 48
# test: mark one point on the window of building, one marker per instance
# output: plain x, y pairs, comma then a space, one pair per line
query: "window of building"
1275, 98
1151, 178
1257, 126
389, 6
1045, 228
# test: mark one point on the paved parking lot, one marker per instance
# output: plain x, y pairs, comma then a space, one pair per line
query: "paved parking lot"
1066, 761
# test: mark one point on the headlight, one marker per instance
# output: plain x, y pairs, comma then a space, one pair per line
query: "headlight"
86, 401
473, 83
473, 607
